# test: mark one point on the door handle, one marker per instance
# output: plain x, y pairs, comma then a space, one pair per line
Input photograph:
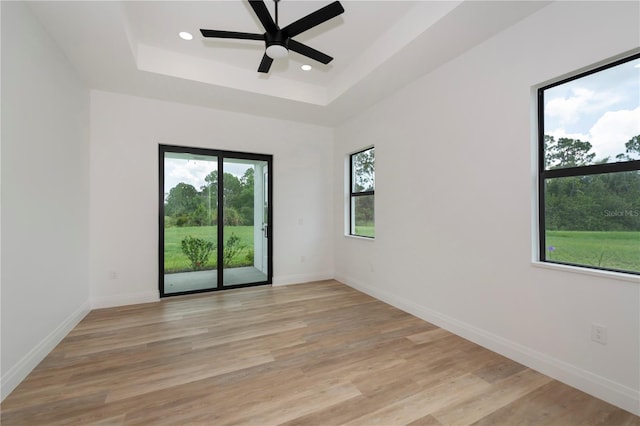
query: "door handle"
265, 230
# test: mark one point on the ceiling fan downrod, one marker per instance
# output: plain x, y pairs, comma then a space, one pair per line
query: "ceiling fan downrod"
276, 44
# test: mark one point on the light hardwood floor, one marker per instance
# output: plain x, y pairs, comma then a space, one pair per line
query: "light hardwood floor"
311, 354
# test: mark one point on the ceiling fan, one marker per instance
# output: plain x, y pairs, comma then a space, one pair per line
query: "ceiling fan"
279, 41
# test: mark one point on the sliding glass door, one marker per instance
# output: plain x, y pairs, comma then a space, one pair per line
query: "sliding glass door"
215, 220
189, 223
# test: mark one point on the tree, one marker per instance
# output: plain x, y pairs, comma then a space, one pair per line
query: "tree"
199, 216
232, 187
364, 170
585, 203
566, 152
185, 206
632, 151
633, 147
238, 198
244, 201
182, 200
247, 179
209, 196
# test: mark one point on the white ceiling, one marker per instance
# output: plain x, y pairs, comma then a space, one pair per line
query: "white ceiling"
378, 46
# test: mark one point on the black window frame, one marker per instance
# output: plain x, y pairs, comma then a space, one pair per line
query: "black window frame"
579, 171
354, 194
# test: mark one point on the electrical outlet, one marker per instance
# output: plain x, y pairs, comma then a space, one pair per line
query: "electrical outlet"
599, 333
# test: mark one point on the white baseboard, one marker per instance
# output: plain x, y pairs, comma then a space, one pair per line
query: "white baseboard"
22, 368
612, 392
124, 299
301, 278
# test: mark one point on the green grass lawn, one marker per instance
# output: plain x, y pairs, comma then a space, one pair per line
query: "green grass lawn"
366, 230
176, 261
612, 250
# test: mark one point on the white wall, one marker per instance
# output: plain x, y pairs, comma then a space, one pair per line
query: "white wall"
125, 133
454, 217
45, 195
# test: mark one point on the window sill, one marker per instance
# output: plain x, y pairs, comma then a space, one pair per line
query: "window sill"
357, 237
586, 271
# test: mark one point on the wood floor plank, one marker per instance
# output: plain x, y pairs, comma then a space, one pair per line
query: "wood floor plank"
427, 420
424, 402
429, 336
313, 354
558, 404
498, 369
475, 407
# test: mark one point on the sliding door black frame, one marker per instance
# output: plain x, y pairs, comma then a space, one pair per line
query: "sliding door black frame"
220, 156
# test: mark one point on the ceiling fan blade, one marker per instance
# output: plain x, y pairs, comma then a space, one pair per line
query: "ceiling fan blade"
231, 34
265, 64
309, 52
316, 18
263, 15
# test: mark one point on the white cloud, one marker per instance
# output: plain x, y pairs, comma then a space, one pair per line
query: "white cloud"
613, 130
567, 109
561, 133
584, 101
191, 172
609, 134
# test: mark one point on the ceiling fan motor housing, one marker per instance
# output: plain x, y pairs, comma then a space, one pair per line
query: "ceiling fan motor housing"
277, 44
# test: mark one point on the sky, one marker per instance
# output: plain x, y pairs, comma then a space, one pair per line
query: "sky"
194, 171
602, 108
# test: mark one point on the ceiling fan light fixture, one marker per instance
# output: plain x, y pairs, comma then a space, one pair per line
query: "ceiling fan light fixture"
277, 51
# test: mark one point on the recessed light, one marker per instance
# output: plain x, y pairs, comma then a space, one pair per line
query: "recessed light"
185, 35
306, 67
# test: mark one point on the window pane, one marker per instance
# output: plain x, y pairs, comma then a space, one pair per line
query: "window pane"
190, 225
594, 119
363, 168
594, 220
363, 216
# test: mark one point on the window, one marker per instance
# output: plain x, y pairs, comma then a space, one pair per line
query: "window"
362, 186
589, 168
